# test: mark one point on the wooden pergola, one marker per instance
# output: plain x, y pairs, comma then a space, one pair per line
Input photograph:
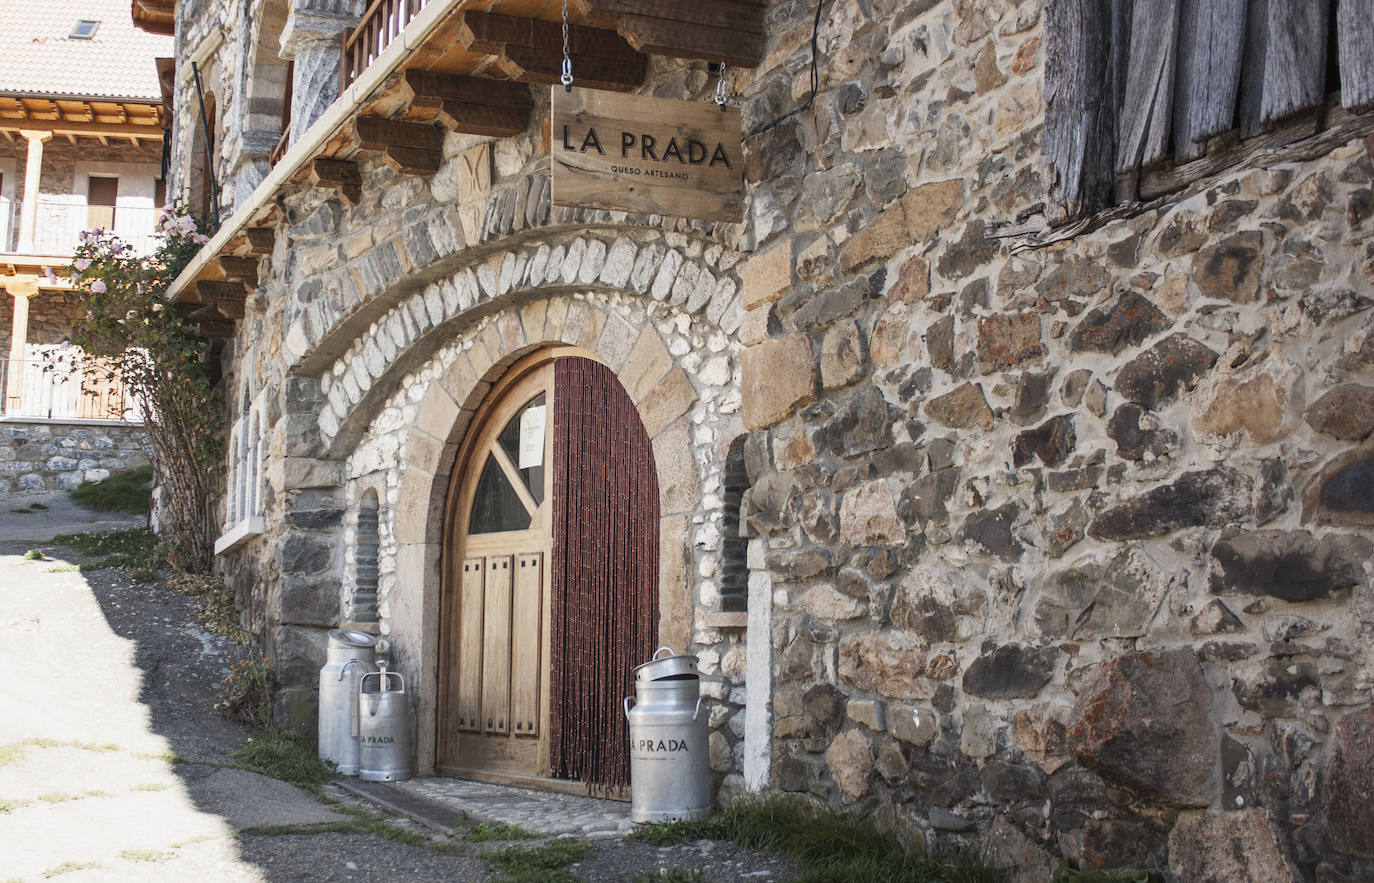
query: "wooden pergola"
77, 117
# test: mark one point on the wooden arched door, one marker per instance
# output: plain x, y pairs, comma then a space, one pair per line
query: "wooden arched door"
551, 579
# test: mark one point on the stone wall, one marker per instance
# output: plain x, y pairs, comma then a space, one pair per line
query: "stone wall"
1062, 539
49, 455
1069, 540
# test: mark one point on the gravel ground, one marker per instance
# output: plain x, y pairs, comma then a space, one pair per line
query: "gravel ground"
115, 766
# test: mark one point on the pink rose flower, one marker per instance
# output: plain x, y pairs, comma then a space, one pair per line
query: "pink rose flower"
98, 287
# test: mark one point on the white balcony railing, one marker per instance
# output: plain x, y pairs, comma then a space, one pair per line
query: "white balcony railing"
54, 386
60, 220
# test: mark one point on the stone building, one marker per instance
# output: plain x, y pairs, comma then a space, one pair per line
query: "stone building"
1007, 465
81, 125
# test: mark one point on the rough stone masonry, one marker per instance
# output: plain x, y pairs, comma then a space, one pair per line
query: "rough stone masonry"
1059, 541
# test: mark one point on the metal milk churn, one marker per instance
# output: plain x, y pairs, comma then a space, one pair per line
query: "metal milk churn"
670, 774
349, 656
383, 729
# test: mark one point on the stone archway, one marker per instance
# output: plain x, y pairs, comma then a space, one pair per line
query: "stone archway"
662, 393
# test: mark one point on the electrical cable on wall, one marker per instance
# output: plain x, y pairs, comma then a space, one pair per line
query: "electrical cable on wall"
815, 79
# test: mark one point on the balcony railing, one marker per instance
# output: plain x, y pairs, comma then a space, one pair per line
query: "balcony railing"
381, 23
59, 389
59, 222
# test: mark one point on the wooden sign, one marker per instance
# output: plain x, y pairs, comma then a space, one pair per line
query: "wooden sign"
651, 155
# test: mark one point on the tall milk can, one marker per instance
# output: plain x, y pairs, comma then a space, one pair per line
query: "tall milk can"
349, 655
383, 728
670, 774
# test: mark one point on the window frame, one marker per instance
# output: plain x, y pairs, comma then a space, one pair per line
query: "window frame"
243, 517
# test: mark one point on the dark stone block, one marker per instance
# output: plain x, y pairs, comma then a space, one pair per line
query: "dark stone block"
1144, 721
1133, 440
862, 424
802, 564
1275, 492
791, 774
316, 519
1012, 671
1111, 328
1134, 842
926, 617
1350, 489
940, 342
971, 252
824, 703
1155, 376
1293, 566
1349, 798
305, 555
1009, 783
1052, 442
1076, 279
1076, 794
1277, 690
991, 529
1032, 396
941, 781
1087, 478
898, 458
928, 495
1206, 498
1346, 412
1230, 269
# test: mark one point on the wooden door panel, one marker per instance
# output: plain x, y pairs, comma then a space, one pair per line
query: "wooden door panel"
527, 616
470, 645
496, 645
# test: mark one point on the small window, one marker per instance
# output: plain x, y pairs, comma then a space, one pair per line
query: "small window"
85, 29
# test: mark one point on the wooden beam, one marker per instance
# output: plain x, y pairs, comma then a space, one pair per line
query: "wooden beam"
231, 309
340, 174
261, 240
59, 127
531, 51
473, 106
210, 293
409, 148
242, 268
714, 30
1284, 67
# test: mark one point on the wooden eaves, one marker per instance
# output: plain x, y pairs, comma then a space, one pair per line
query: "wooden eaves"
456, 68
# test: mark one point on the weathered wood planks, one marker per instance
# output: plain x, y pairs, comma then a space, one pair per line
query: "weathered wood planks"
1211, 37
1147, 110
1079, 113
1355, 39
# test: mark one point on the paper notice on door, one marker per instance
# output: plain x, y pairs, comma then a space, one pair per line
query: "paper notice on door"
532, 437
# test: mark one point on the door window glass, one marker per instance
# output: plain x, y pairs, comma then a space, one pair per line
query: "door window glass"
496, 506
526, 430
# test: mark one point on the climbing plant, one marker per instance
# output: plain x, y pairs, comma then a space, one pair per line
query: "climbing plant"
130, 334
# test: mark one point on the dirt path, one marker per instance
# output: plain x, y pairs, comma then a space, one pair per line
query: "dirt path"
114, 765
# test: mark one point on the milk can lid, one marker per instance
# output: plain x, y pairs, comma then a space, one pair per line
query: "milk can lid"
351, 638
674, 667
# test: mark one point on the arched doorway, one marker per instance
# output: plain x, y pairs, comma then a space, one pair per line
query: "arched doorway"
550, 579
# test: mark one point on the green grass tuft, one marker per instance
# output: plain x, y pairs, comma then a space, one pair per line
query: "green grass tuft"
37, 507
1065, 874
151, 786
284, 756
129, 491
65, 568
673, 875
136, 547
484, 832
34, 555
69, 867
538, 863
829, 846
146, 855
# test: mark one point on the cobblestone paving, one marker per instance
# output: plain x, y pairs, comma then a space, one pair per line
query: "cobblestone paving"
540, 812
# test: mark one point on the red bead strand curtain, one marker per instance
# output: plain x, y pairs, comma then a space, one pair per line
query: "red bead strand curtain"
605, 570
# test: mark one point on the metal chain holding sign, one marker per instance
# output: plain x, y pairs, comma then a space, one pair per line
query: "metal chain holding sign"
567, 78
720, 87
